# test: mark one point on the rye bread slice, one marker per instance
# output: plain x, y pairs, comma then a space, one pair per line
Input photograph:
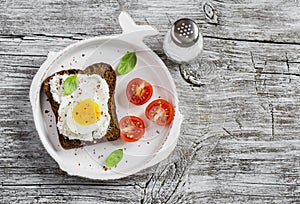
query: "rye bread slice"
107, 73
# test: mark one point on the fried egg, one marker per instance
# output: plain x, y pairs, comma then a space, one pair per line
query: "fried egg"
83, 114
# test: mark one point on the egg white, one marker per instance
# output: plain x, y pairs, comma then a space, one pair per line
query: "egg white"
89, 86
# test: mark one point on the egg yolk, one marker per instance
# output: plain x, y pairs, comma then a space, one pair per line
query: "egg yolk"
86, 112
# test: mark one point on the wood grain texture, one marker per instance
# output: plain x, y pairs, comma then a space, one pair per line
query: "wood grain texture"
240, 139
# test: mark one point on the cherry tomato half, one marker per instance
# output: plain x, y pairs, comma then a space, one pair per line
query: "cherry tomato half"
139, 91
132, 128
160, 111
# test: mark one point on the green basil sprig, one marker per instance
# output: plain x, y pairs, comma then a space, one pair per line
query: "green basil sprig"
114, 158
127, 63
70, 84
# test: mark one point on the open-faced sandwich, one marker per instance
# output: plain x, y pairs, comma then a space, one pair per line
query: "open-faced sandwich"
83, 103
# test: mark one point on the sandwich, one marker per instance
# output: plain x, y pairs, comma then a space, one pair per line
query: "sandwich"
83, 104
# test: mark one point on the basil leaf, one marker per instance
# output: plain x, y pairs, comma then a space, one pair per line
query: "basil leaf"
114, 158
70, 84
127, 63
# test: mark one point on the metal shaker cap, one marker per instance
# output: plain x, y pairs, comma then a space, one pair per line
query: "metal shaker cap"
185, 32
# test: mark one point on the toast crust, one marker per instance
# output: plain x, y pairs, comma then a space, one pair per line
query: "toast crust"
106, 72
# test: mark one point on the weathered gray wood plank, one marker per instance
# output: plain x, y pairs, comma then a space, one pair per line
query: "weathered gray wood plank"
240, 137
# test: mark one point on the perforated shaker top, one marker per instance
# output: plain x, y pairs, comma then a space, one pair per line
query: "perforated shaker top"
185, 32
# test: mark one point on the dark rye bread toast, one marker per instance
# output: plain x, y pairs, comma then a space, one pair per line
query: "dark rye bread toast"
107, 73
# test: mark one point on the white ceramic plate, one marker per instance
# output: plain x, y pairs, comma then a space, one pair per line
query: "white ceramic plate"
158, 141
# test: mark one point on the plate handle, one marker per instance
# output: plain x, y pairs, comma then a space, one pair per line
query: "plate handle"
134, 32
39, 77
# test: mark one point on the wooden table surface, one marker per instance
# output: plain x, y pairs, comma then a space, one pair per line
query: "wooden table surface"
240, 138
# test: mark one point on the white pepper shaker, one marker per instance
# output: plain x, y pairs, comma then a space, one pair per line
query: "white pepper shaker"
183, 42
